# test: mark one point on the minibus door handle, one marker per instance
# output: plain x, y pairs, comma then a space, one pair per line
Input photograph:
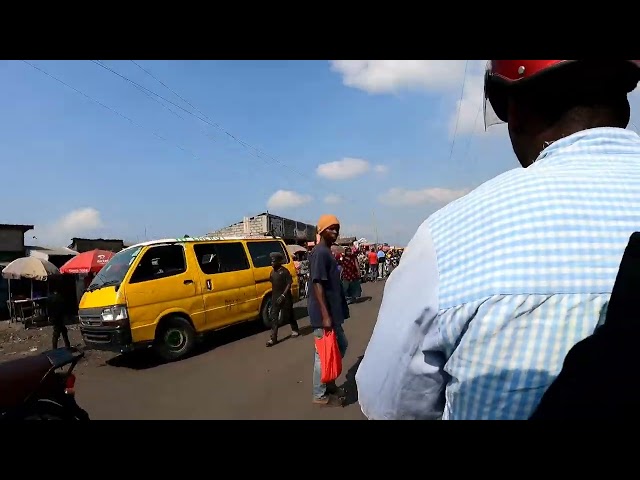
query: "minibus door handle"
188, 282
209, 286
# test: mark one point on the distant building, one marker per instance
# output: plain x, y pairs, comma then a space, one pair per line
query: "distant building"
11, 248
67, 285
291, 231
346, 241
81, 245
57, 256
12, 242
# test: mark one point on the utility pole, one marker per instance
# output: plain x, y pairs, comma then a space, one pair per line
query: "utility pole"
375, 226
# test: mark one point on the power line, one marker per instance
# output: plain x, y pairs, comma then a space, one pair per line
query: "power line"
148, 93
455, 131
168, 88
473, 131
215, 125
110, 109
209, 121
204, 118
155, 99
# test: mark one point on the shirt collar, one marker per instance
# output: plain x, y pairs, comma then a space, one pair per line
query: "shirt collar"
609, 140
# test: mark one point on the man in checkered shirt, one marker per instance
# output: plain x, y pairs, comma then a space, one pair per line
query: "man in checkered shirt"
497, 286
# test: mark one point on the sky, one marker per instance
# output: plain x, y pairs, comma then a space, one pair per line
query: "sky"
380, 143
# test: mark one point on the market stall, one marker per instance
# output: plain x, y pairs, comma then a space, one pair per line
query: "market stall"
33, 269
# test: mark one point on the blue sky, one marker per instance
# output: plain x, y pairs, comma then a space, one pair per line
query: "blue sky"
346, 137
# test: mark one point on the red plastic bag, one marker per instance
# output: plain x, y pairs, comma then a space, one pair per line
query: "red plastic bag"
330, 358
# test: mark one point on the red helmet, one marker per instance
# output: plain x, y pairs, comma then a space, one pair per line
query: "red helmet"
512, 72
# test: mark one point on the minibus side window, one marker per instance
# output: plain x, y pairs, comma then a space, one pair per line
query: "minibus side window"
260, 251
221, 257
160, 262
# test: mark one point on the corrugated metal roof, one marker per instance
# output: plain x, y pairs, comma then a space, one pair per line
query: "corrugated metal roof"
15, 226
60, 251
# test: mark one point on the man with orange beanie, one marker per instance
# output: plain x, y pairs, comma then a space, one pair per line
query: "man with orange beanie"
327, 305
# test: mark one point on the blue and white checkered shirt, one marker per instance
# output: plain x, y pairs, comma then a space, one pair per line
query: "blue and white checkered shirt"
496, 287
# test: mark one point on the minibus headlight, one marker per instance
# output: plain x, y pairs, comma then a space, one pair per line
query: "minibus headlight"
117, 313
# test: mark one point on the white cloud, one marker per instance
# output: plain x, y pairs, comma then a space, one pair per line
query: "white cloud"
432, 76
77, 222
343, 169
287, 199
80, 219
391, 76
381, 169
333, 199
404, 197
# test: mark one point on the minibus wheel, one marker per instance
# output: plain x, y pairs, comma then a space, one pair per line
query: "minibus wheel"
175, 338
265, 312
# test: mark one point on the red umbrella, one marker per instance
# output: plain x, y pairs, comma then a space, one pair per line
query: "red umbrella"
86, 262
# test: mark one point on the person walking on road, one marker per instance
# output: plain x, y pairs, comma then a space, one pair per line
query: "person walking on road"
382, 257
496, 288
281, 299
56, 317
372, 256
351, 276
327, 306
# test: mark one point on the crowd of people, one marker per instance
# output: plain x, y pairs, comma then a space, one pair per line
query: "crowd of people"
364, 263
377, 262
356, 264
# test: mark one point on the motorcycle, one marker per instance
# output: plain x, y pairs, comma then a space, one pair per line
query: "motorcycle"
34, 388
364, 277
303, 281
392, 264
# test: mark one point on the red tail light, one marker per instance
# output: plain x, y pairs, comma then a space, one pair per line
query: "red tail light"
70, 384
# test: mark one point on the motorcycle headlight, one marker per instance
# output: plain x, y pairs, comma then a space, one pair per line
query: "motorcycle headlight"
117, 313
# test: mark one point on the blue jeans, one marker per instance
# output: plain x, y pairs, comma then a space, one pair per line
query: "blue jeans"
320, 389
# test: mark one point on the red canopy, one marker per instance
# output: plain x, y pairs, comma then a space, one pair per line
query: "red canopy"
86, 262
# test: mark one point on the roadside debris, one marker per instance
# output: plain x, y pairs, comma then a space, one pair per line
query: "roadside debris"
16, 341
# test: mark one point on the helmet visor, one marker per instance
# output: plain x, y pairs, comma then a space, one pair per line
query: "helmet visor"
495, 100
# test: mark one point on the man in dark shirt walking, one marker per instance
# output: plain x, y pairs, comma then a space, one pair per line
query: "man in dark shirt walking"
56, 317
281, 298
327, 306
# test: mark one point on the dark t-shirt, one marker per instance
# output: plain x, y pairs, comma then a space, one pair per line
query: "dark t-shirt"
55, 307
324, 268
279, 280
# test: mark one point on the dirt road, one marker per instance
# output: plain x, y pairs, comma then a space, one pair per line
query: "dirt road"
234, 377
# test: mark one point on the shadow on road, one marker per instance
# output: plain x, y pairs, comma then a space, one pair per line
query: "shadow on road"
362, 300
145, 359
300, 312
349, 384
306, 330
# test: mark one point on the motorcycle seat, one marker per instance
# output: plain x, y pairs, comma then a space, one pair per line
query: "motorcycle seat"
19, 378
